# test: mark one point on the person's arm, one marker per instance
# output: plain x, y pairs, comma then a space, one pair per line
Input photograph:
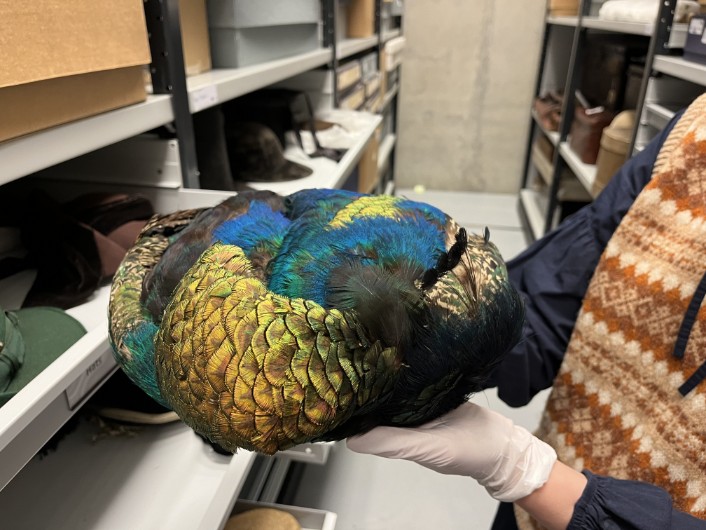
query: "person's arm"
552, 276
553, 503
515, 466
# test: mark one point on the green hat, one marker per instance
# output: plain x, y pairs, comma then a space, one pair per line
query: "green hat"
30, 340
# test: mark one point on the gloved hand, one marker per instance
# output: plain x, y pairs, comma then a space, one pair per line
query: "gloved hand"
471, 441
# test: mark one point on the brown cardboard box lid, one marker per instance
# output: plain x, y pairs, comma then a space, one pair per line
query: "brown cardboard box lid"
194, 36
46, 39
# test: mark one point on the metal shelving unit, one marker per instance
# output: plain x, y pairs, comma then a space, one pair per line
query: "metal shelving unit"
661, 39
326, 172
219, 85
386, 147
390, 96
188, 485
585, 173
28, 154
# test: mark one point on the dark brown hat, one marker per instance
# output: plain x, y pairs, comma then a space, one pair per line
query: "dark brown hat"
256, 155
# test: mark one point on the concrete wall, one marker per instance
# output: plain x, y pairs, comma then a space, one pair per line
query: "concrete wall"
467, 84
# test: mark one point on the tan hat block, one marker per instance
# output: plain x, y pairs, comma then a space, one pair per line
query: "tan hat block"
263, 519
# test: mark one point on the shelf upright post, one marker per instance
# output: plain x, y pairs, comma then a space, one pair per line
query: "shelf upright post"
331, 41
169, 77
567, 111
659, 45
380, 47
378, 25
537, 88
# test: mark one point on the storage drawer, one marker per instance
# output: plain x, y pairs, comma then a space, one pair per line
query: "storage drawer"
32, 416
308, 518
235, 48
258, 13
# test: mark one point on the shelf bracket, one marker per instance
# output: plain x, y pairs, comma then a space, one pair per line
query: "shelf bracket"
168, 77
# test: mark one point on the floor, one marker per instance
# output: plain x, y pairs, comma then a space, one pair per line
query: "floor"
371, 493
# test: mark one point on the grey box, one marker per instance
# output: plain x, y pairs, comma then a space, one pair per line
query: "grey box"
259, 13
235, 48
369, 64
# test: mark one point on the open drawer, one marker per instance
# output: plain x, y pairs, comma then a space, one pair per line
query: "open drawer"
308, 518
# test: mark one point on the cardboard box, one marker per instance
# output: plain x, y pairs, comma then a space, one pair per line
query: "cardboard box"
563, 8
62, 61
354, 99
360, 19
368, 164
372, 85
194, 36
348, 75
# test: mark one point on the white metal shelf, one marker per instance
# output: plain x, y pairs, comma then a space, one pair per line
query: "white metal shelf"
677, 35
532, 204
217, 86
326, 172
552, 135
681, 68
633, 28
387, 98
658, 115
585, 173
391, 34
563, 21
33, 152
542, 164
160, 477
386, 147
389, 188
347, 47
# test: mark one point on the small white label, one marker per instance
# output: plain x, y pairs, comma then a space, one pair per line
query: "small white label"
203, 98
696, 26
91, 376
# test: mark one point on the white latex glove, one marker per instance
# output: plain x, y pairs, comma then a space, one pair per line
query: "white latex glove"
471, 441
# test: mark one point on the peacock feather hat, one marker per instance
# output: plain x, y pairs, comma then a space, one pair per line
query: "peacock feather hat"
269, 321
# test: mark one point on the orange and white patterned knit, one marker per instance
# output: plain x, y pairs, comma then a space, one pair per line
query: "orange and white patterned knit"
615, 408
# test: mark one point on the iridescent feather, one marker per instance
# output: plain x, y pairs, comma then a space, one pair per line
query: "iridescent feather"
266, 322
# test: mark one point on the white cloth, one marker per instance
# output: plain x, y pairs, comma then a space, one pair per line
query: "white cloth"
642, 11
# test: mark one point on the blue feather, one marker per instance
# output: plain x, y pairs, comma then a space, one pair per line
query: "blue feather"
309, 253
260, 225
141, 368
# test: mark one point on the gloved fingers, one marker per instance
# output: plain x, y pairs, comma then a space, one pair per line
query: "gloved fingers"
390, 442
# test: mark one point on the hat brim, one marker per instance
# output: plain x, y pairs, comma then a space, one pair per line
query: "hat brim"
47, 332
287, 171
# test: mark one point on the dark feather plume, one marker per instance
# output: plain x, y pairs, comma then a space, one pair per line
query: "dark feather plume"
386, 302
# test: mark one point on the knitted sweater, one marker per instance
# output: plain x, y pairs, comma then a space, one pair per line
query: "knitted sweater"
620, 406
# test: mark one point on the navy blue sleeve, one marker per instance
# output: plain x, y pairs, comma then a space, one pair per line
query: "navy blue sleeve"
552, 276
630, 505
